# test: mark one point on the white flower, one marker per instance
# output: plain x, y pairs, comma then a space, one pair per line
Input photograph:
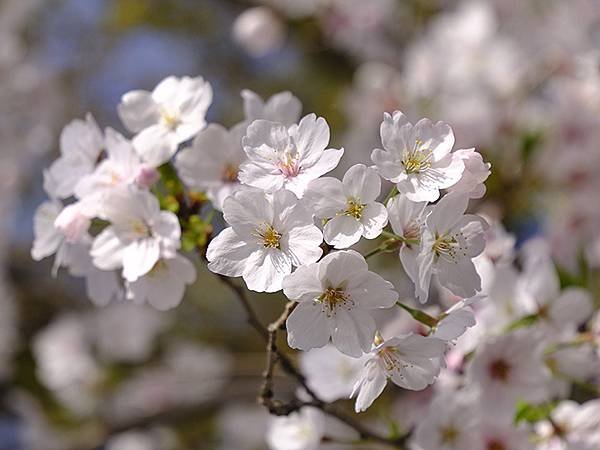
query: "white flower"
81, 143
450, 423
329, 373
558, 311
411, 362
456, 320
407, 219
259, 31
288, 157
139, 234
573, 426
336, 297
269, 234
302, 430
450, 240
212, 162
163, 287
164, 118
417, 158
121, 166
283, 107
509, 368
349, 205
476, 172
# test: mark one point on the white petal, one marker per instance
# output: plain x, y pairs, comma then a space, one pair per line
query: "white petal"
303, 285
268, 273
374, 218
302, 244
387, 165
138, 110
228, 254
361, 182
447, 212
107, 250
370, 291
47, 237
325, 196
354, 331
155, 144
342, 231
139, 258
369, 387
308, 327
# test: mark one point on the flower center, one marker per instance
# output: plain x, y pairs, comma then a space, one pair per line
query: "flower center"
495, 444
499, 369
418, 159
270, 237
288, 164
446, 245
390, 356
448, 434
354, 208
230, 173
332, 298
170, 120
413, 232
140, 228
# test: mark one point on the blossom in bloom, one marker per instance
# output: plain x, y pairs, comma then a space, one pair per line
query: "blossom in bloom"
508, 368
410, 361
287, 157
573, 426
283, 107
417, 158
449, 242
212, 162
329, 373
259, 31
163, 287
81, 143
349, 206
139, 233
475, 173
121, 166
450, 423
456, 320
269, 234
302, 430
335, 298
407, 219
164, 118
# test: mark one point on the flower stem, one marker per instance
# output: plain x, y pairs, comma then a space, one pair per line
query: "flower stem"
419, 315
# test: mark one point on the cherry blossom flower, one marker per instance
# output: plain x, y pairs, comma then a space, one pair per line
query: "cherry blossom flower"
417, 158
573, 426
288, 157
164, 118
269, 234
302, 430
475, 173
456, 320
81, 143
335, 298
283, 107
164, 285
450, 240
212, 162
349, 206
139, 233
508, 368
410, 361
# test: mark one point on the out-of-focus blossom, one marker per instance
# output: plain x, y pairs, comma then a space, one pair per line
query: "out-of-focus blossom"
259, 31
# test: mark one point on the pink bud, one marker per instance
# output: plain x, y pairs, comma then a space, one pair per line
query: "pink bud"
147, 176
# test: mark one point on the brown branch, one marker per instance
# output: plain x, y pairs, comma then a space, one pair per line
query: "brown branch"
275, 356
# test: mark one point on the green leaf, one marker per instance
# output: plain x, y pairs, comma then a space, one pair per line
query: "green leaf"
527, 412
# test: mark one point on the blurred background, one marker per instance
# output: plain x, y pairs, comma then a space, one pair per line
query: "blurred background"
517, 79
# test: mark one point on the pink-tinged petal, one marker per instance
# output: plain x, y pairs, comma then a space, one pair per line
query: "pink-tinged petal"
139, 258
363, 183
403, 213
353, 331
437, 137
311, 138
342, 231
308, 327
374, 218
266, 274
228, 254
326, 162
137, 110
388, 166
47, 237
303, 285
